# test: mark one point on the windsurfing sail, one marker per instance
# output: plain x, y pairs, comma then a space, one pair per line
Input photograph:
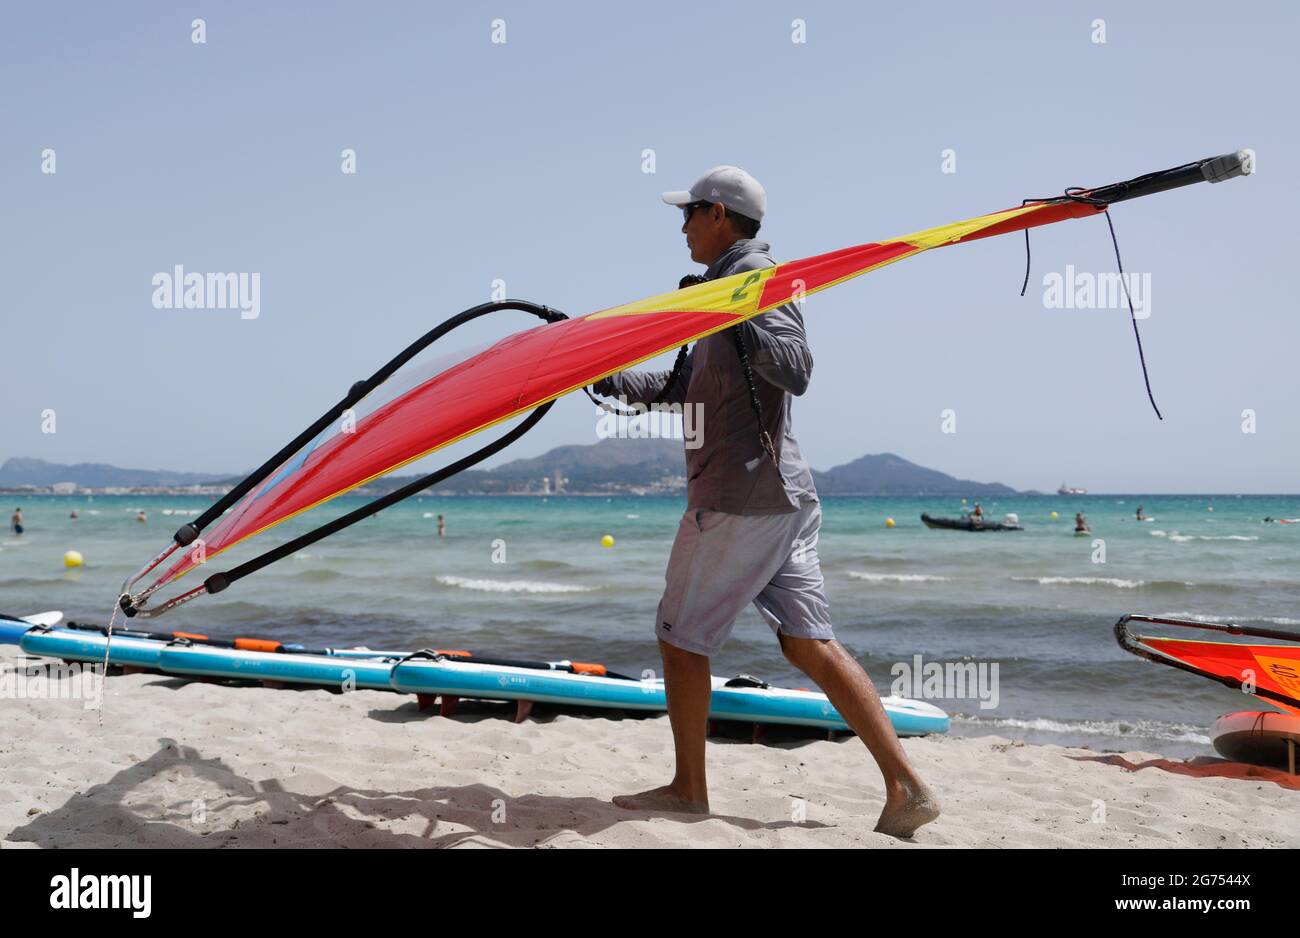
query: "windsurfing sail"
528, 370
1271, 672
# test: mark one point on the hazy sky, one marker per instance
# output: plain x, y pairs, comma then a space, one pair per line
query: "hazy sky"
525, 161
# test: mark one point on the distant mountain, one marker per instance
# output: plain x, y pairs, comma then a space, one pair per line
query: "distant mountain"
651, 466
89, 475
887, 474
606, 466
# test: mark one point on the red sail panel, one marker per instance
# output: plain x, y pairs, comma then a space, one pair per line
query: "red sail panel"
1274, 668
527, 369
514, 375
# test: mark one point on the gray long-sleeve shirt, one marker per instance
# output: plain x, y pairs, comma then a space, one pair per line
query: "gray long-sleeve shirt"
730, 471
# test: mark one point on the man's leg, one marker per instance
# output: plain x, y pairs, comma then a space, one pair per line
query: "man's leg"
908, 802
688, 685
718, 565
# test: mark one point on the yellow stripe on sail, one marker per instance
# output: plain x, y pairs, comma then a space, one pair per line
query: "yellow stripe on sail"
737, 294
955, 231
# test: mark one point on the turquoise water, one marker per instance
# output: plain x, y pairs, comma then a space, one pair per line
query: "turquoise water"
528, 577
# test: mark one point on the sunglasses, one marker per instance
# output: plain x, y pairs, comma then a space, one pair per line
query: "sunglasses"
689, 209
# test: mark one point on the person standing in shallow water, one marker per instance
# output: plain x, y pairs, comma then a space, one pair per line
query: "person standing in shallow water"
16, 522
750, 530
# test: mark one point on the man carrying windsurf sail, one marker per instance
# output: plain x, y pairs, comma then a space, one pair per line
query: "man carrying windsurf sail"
749, 534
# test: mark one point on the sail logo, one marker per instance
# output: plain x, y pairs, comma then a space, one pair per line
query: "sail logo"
180, 290
75, 891
1282, 671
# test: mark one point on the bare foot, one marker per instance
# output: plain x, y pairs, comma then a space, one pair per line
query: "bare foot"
665, 798
907, 812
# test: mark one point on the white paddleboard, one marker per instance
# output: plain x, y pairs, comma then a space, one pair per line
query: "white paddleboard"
1258, 737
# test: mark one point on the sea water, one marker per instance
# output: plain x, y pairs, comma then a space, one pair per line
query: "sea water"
527, 577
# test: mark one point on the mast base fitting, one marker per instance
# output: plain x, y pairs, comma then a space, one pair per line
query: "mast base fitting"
127, 607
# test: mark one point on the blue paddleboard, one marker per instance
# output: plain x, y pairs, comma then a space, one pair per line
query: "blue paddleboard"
13, 627
77, 645
747, 704
315, 670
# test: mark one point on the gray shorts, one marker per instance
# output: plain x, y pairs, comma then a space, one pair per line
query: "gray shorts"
721, 562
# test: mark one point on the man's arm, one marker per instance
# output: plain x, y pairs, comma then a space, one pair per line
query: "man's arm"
778, 348
642, 387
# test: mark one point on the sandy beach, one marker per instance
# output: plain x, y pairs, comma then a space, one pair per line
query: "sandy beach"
186, 764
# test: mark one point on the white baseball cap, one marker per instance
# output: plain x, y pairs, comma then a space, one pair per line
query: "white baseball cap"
730, 185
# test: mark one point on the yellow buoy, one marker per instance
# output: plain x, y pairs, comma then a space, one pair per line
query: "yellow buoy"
607, 541
73, 559
889, 522
1055, 516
